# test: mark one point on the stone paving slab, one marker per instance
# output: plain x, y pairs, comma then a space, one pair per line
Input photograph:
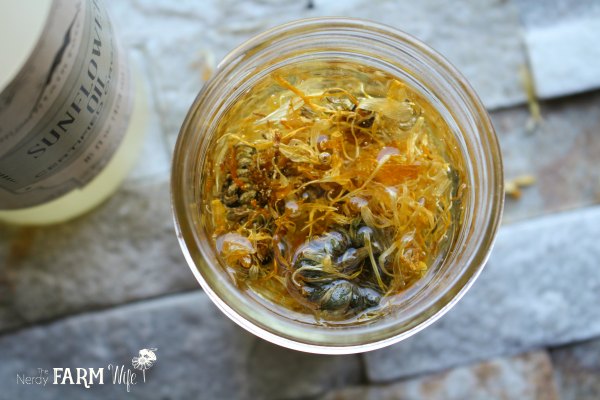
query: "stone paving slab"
575, 43
561, 39
538, 289
534, 13
523, 377
200, 354
123, 251
562, 153
577, 370
184, 40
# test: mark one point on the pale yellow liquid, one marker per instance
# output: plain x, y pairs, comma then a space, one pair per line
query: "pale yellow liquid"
79, 201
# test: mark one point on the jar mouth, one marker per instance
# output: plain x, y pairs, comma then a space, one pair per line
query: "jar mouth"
429, 73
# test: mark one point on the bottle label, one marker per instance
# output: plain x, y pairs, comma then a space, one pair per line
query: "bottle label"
65, 113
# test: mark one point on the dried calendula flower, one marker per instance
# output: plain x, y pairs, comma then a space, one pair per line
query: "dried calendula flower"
336, 186
512, 187
535, 114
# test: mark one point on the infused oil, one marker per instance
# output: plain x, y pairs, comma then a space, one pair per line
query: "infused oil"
333, 188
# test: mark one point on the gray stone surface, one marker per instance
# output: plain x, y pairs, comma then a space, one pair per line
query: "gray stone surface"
123, 251
561, 39
154, 158
524, 377
562, 153
575, 44
201, 354
534, 13
577, 370
540, 287
183, 41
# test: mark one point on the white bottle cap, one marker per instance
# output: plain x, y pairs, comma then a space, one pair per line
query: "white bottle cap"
21, 24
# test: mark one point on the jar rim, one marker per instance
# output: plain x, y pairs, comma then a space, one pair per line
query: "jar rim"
199, 258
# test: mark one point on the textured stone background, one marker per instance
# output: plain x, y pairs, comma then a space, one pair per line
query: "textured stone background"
95, 290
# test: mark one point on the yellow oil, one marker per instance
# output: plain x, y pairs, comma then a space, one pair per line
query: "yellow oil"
333, 187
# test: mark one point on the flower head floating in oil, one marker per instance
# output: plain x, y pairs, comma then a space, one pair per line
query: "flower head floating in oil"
335, 188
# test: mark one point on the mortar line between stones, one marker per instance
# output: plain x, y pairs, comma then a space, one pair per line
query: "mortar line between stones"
99, 310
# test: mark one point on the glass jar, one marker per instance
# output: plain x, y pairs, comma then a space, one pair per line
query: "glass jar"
426, 72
